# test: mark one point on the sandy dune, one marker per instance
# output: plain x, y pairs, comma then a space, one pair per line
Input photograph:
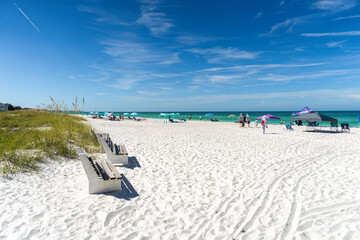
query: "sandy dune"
199, 180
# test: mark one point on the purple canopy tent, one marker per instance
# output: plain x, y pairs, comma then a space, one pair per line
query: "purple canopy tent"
268, 116
305, 110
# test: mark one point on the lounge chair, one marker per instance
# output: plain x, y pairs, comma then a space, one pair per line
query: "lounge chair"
289, 127
333, 126
345, 127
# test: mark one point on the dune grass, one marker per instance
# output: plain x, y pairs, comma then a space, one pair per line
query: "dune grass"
27, 137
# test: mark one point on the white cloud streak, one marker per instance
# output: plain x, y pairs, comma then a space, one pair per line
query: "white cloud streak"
335, 44
334, 5
103, 17
348, 17
153, 19
332, 34
26, 17
218, 54
133, 52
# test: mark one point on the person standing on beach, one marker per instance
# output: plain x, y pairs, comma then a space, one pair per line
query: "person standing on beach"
200, 117
190, 117
248, 119
240, 119
263, 123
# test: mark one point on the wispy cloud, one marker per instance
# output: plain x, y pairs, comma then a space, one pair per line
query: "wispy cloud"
332, 34
166, 75
152, 18
335, 44
259, 15
348, 17
102, 16
193, 40
260, 66
134, 52
218, 54
127, 81
26, 17
308, 76
334, 5
288, 24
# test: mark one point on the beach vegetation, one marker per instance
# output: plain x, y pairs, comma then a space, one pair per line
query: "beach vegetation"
30, 136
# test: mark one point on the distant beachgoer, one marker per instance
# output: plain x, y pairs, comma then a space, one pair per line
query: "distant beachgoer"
263, 123
256, 123
200, 117
243, 121
248, 119
190, 117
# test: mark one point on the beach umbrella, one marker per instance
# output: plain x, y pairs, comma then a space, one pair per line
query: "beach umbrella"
110, 114
134, 114
268, 116
91, 113
125, 114
105, 114
209, 114
231, 115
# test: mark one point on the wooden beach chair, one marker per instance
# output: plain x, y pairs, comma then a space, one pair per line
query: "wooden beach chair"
102, 175
115, 153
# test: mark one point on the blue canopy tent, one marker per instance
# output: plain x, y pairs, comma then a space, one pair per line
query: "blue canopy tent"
305, 110
166, 116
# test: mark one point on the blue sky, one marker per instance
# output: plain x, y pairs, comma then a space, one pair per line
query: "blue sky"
157, 55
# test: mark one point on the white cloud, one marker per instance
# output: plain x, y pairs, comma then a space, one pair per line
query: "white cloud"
289, 24
133, 52
102, 16
166, 75
334, 5
335, 44
332, 34
193, 40
259, 15
258, 66
308, 76
218, 54
127, 81
153, 19
348, 17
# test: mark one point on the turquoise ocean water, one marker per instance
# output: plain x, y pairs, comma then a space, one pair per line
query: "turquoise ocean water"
351, 117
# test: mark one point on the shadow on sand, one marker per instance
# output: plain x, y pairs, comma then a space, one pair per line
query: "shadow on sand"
127, 190
133, 163
323, 131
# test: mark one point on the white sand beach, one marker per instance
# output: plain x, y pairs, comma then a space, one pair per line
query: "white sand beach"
197, 180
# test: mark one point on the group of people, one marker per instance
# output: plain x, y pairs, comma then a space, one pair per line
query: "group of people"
244, 119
